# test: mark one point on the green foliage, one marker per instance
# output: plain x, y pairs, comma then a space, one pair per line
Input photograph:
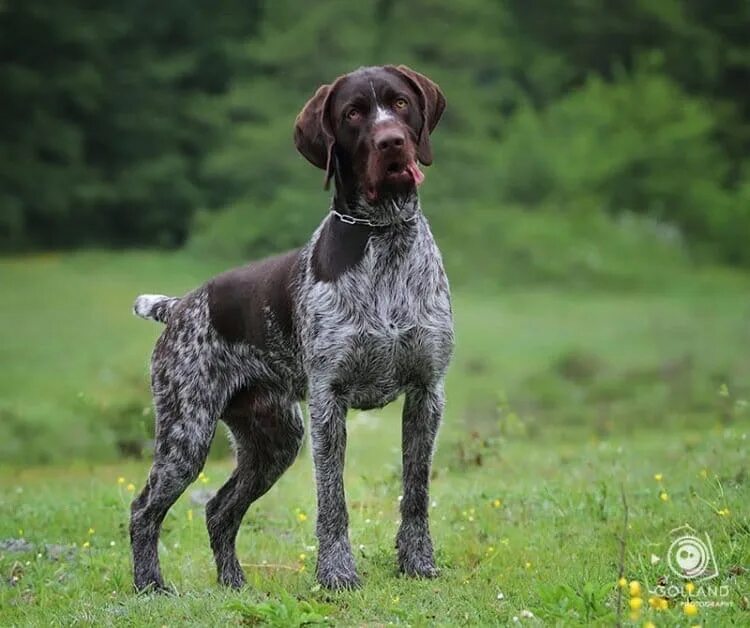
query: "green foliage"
125, 126
251, 229
559, 246
587, 604
106, 118
629, 145
284, 612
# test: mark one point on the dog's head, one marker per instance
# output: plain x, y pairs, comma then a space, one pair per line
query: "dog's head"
370, 129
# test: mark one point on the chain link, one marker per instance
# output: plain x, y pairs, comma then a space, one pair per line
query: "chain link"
351, 220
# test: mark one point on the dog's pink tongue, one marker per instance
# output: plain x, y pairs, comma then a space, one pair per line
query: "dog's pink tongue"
415, 173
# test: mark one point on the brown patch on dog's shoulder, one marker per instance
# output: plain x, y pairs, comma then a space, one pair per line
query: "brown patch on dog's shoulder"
238, 299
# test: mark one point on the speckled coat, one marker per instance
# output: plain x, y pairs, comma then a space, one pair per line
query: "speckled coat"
358, 316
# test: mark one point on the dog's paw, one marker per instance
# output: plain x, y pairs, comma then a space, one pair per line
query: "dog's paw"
336, 569
155, 587
339, 581
417, 567
233, 577
415, 554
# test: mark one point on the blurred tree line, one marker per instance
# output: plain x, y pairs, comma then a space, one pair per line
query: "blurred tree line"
142, 123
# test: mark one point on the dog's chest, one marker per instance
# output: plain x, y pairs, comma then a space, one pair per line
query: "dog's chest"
383, 325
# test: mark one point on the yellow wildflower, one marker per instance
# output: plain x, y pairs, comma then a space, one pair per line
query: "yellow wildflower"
664, 496
724, 512
190, 514
634, 588
302, 556
121, 480
130, 487
527, 565
86, 545
91, 531
622, 582
690, 609
649, 624
658, 477
496, 503
301, 517
635, 603
689, 587
662, 604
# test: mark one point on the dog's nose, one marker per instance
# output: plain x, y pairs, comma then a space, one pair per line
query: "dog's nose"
389, 138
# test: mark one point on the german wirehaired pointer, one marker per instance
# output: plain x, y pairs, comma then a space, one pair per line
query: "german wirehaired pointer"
354, 318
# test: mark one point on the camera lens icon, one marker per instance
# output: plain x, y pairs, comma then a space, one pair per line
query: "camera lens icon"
689, 557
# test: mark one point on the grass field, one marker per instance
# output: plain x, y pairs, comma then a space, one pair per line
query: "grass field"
559, 400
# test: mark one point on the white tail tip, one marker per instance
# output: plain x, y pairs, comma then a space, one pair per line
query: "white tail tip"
145, 303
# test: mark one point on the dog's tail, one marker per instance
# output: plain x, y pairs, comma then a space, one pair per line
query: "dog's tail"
155, 307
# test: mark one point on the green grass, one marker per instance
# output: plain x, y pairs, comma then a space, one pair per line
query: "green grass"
74, 360
557, 526
558, 398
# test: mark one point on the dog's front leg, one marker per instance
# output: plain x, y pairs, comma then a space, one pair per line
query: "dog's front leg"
423, 410
335, 569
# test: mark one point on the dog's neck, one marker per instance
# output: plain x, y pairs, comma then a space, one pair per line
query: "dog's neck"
350, 200
391, 210
340, 245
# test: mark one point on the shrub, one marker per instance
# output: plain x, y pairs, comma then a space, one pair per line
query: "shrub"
559, 245
639, 144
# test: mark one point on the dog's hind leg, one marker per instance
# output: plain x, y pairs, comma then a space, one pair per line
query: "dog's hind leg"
186, 418
267, 434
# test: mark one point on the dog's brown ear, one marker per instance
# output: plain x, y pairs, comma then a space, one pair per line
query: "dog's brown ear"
313, 133
432, 102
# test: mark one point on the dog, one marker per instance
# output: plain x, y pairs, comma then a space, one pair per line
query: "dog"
353, 319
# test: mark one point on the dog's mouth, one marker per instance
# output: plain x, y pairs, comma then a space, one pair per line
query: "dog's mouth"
396, 177
403, 172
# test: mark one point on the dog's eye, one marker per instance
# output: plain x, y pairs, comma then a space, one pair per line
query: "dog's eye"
353, 114
400, 103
